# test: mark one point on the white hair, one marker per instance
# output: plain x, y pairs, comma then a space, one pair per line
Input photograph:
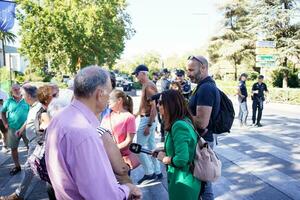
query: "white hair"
57, 104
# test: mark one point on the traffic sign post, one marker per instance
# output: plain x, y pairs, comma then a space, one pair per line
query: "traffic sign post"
262, 58
265, 54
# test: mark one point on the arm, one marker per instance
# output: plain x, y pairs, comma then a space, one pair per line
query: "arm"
152, 91
127, 141
181, 138
202, 116
21, 130
119, 167
89, 164
4, 119
239, 93
205, 102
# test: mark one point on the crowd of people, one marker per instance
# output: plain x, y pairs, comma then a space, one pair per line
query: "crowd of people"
87, 135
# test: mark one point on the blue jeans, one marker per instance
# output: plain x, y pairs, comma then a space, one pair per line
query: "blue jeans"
28, 175
208, 191
243, 112
150, 164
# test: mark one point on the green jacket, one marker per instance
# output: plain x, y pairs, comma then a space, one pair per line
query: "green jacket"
180, 144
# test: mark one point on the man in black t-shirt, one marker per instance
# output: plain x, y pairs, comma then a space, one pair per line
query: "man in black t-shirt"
242, 99
258, 96
204, 105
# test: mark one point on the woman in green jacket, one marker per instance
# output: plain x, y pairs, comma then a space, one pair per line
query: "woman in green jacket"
180, 145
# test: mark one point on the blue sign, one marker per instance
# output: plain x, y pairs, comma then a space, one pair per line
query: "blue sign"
7, 15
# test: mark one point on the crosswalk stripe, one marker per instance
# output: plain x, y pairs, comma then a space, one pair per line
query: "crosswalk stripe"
262, 170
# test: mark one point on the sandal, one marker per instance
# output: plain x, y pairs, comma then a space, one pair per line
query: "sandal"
14, 171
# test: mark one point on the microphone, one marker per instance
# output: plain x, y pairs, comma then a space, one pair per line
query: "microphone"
137, 148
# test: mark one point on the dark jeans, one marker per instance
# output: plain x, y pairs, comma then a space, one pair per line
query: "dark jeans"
257, 105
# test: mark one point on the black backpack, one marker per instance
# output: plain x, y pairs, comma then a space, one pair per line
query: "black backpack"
225, 117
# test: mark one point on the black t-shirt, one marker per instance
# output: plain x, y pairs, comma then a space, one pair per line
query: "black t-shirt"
206, 94
261, 89
243, 89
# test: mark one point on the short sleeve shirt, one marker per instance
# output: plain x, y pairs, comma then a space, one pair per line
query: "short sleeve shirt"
30, 126
261, 89
120, 124
206, 94
243, 89
16, 112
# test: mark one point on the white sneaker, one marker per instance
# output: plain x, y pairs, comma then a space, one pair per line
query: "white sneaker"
5, 150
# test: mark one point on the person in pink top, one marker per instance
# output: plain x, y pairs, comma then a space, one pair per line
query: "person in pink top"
77, 163
121, 122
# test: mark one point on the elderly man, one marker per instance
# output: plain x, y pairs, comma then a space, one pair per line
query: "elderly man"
77, 163
30, 96
146, 129
204, 104
14, 115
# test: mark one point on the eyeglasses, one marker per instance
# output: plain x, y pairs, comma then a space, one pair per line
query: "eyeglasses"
195, 58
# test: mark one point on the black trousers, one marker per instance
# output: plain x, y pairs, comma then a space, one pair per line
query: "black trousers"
257, 105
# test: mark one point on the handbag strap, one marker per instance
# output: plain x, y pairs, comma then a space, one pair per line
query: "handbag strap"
111, 128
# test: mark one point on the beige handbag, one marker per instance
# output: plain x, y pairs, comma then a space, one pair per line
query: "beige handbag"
207, 166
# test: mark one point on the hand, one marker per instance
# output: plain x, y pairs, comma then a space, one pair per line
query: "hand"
157, 150
147, 131
134, 192
19, 133
5, 125
161, 155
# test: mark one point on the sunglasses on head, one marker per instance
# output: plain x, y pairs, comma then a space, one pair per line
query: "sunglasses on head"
195, 58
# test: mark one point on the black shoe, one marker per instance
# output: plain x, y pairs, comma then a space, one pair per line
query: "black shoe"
159, 176
258, 125
147, 178
14, 171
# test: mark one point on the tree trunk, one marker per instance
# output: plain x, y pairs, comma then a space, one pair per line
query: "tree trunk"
3, 53
285, 74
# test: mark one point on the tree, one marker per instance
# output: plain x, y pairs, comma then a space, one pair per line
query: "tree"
234, 43
275, 21
67, 35
6, 37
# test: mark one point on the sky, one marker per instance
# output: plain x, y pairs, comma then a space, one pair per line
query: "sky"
170, 26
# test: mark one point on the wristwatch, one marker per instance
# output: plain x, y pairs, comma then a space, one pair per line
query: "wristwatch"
149, 124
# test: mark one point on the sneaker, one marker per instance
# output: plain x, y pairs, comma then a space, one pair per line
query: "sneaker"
159, 176
14, 171
5, 150
13, 196
147, 178
258, 125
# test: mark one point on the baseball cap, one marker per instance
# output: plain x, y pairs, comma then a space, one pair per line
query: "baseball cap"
244, 74
261, 77
165, 70
179, 72
140, 68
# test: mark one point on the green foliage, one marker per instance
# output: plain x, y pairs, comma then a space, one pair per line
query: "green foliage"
72, 34
253, 75
278, 75
234, 43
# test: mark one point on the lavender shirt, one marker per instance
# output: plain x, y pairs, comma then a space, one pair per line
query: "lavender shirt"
77, 163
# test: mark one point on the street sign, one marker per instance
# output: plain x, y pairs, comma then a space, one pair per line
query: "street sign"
262, 58
265, 64
265, 44
262, 51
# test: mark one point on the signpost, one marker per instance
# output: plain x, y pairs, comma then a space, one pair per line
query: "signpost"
262, 58
265, 54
